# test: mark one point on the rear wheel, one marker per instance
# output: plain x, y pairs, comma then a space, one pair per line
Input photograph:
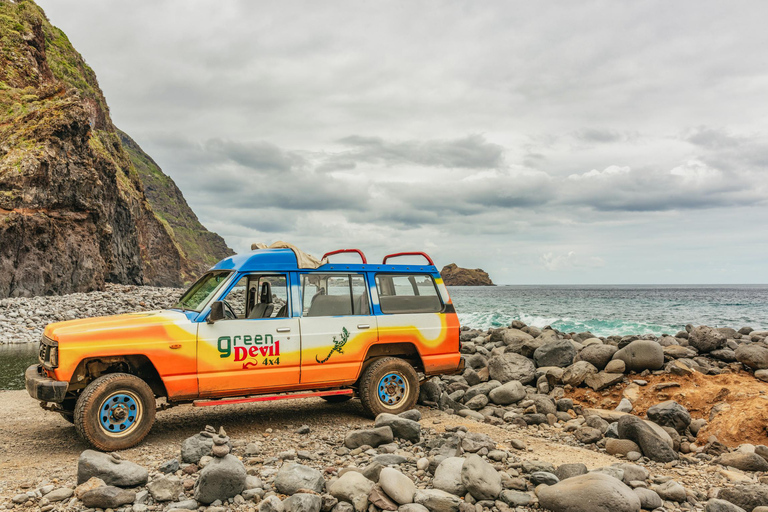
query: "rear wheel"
389, 385
116, 411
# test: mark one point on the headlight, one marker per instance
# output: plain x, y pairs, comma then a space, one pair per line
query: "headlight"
54, 357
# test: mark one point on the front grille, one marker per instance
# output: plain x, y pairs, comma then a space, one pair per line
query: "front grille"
44, 354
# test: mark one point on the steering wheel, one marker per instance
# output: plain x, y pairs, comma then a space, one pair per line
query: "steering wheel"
229, 313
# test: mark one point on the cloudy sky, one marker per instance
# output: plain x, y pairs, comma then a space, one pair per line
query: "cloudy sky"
570, 142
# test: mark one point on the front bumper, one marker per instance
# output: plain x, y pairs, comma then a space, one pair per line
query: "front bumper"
44, 388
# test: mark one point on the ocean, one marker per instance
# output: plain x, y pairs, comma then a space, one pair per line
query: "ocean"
602, 310
607, 310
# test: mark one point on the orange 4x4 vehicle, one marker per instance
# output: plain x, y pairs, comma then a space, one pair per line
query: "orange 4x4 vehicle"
256, 327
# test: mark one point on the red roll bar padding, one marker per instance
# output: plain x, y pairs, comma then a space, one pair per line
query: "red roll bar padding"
408, 254
358, 251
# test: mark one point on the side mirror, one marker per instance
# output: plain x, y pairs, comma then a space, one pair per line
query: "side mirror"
217, 312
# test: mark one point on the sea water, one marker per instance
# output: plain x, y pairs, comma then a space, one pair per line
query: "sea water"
613, 310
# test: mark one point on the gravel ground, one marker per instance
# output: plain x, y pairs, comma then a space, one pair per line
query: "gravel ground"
22, 319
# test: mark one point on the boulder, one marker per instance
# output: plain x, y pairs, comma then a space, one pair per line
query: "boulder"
402, 428
510, 366
564, 471
601, 380
593, 492
108, 497
615, 366
556, 353
715, 505
165, 488
509, 393
303, 502
220, 479
480, 479
575, 374
670, 414
352, 487
671, 491
271, 504
621, 446
706, 339
372, 437
92, 483
746, 496
113, 470
448, 476
397, 486
743, 461
514, 338
292, 477
475, 441
653, 445
196, 447
60, 494
649, 500
641, 355
436, 500
597, 355
588, 435
755, 356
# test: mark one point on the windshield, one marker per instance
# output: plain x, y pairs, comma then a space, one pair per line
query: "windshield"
201, 292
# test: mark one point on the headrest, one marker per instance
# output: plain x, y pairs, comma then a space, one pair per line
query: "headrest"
266, 293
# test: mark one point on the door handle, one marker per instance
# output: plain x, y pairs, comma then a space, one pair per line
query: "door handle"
363, 326
283, 329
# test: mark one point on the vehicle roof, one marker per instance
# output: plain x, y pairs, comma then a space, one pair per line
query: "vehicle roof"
285, 259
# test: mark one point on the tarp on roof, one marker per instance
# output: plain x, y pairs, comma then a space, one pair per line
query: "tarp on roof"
305, 260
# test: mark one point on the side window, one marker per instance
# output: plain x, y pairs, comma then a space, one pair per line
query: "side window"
408, 293
334, 295
259, 296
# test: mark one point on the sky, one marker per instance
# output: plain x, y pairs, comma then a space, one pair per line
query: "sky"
546, 142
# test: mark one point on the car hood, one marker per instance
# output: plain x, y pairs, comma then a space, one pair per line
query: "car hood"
108, 327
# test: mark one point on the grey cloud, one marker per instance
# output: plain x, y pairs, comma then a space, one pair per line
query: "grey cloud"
258, 155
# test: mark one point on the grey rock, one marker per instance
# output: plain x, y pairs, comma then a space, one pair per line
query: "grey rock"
371, 437
715, 505
753, 355
588, 435
379, 499
653, 445
556, 353
412, 507
389, 459
743, 461
564, 471
746, 496
615, 366
195, 448
448, 476
474, 442
352, 487
620, 446
114, 471
165, 488
515, 498
436, 500
706, 339
292, 477
271, 504
402, 428
220, 479
509, 393
641, 355
670, 414
575, 374
477, 402
480, 479
179, 505
510, 366
481, 389
649, 500
413, 415
593, 492
397, 486
597, 355
108, 496
60, 494
543, 477
303, 502
602, 380
170, 466
671, 491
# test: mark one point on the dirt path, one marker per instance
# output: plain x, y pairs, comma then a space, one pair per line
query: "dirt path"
37, 446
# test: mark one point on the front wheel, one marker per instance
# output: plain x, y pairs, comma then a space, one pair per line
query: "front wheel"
389, 385
116, 411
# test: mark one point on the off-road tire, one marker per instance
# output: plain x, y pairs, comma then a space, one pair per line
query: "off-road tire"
87, 411
336, 399
372, 378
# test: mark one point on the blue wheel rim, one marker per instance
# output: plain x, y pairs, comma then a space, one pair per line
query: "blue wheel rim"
392, 390
119, 413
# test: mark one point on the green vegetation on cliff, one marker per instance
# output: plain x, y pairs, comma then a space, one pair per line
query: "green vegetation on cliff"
74, 209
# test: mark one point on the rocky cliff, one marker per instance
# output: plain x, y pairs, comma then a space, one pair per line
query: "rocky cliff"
454, 275
73, 209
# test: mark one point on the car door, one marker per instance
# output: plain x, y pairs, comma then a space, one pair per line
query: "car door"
337, 327
256, 349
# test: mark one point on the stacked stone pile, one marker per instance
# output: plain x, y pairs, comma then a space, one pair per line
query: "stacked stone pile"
392, 465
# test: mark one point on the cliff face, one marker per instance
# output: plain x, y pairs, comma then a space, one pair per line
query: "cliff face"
454, 275
73, 211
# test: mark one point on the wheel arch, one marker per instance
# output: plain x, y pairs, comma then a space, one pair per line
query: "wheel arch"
404, 350
139, 365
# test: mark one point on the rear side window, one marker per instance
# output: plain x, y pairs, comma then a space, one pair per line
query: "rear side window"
408, 293
334, 295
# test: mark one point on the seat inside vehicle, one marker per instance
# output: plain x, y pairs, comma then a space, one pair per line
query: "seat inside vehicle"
330, 305
410, 304
265, 307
